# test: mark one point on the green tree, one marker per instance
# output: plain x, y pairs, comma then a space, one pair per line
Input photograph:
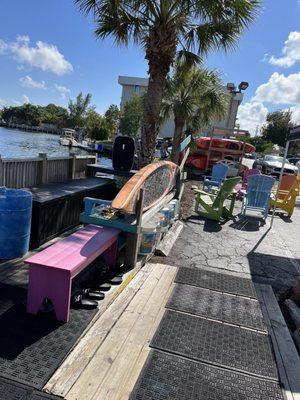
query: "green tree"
131, 119
277, 127
261, 145
56, 115
27, 114
112, 116
78, 109
194, 96
96, 126
165, 29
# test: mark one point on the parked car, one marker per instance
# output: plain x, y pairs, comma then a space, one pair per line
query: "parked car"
294, 160
271, 165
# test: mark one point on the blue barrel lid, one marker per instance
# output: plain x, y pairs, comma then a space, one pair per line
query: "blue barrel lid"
15, 199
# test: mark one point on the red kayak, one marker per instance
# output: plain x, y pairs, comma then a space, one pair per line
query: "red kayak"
230, 144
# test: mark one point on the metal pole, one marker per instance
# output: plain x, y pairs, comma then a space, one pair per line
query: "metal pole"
280, 180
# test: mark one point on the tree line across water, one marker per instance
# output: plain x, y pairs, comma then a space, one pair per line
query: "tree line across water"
79, 114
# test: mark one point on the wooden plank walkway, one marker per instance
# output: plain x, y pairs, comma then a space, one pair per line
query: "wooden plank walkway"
107, 361
287, 357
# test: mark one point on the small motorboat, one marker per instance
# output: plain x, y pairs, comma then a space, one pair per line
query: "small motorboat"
67, 138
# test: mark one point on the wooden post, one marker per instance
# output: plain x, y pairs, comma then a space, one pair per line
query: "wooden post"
72, 166
133, 239
208, 152
43, 168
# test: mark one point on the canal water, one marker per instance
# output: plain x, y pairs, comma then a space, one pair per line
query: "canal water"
19, 144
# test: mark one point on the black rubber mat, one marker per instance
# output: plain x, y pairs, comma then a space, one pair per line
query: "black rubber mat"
169, 377
216, 305
13, 391
32, 347
216, 343
216, 281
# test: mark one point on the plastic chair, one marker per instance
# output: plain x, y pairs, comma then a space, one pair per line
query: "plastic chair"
257, 198
242, 188
218, 175
289, 190
213, 204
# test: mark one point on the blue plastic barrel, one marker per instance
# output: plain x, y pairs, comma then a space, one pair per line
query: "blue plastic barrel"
15, 220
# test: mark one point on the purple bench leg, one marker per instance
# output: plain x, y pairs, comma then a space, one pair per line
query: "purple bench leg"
110, 255
54, 285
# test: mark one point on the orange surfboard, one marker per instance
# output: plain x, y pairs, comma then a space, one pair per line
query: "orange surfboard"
157, 180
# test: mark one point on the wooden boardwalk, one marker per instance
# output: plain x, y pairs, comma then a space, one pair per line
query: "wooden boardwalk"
107, 361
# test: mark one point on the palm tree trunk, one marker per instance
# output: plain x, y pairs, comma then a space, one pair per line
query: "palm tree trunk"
178, 133
160, 53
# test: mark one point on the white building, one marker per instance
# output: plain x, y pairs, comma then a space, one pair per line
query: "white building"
221, 128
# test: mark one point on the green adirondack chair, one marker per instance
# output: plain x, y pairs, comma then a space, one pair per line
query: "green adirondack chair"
213, 204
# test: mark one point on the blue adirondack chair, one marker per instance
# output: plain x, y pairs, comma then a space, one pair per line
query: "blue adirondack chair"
217, 177
257, 199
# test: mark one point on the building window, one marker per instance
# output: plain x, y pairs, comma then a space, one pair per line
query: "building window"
137, 89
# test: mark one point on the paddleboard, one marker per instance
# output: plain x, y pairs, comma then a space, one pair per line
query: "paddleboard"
157, 180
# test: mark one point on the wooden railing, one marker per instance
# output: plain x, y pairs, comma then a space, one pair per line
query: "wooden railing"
26, 172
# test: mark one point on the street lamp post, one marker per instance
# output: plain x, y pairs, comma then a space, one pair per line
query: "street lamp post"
236, 98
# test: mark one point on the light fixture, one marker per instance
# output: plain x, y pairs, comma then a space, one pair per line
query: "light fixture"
230, 86
243, 86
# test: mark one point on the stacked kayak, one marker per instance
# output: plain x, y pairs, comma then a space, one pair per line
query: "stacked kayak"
211, 150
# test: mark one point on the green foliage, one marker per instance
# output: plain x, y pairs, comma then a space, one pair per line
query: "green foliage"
131, 119
195, 97
199, 25
277, 127
167, 30
112, 116
96, 126
56, 115
261, 145
27, 114
78, 109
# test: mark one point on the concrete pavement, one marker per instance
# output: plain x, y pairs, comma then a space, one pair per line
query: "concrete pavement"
242, 248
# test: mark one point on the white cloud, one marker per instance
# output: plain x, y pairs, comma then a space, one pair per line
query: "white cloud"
27, 81
43, 55
64, 91
280, 89
3, 47
290, 51
3, 102
296, 112
252, 114
25, 99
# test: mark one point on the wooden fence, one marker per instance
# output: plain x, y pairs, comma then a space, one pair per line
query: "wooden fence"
25, 172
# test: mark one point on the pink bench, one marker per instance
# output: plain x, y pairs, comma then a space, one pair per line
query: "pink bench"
52, 270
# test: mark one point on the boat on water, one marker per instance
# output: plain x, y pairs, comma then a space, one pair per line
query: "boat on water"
68, 139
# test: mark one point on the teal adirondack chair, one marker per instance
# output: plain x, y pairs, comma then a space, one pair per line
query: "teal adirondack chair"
213, 204
257, 200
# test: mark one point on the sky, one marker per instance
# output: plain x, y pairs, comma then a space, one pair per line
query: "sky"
49, 53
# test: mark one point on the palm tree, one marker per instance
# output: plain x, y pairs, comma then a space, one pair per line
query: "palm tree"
194, 96
166, 28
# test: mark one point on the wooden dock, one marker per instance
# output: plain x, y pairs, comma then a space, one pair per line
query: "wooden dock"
107, 361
